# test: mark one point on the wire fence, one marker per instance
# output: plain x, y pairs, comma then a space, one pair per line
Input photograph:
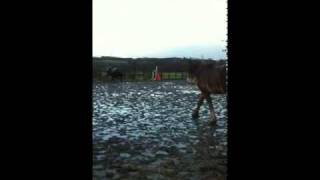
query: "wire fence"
144, 76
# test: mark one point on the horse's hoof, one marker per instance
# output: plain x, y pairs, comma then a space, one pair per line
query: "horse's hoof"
195, 115
212, 122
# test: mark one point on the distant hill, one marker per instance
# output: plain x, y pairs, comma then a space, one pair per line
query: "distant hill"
143, 64
192, 51
169, 58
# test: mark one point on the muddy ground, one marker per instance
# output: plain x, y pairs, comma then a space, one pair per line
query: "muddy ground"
144, 130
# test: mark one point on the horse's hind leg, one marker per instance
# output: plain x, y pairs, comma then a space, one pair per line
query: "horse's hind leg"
195, 112
212, 115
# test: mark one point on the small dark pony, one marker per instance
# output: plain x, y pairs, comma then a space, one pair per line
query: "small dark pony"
210, 77
114, 73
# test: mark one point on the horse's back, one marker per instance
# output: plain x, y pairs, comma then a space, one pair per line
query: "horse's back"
212, 78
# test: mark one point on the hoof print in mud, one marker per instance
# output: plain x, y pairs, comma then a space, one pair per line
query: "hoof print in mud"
155, 136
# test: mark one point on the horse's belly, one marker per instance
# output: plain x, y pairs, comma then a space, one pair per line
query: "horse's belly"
212, 88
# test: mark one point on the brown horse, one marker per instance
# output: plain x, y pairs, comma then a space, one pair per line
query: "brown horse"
210, 77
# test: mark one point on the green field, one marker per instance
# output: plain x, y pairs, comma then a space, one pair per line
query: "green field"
173, 75
147, 76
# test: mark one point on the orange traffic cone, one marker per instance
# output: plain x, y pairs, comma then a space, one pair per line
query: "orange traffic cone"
157, 77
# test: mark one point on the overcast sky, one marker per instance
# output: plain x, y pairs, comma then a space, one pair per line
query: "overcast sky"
160, 28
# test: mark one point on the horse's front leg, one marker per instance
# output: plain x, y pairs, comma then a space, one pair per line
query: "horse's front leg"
212, 115
195, 112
